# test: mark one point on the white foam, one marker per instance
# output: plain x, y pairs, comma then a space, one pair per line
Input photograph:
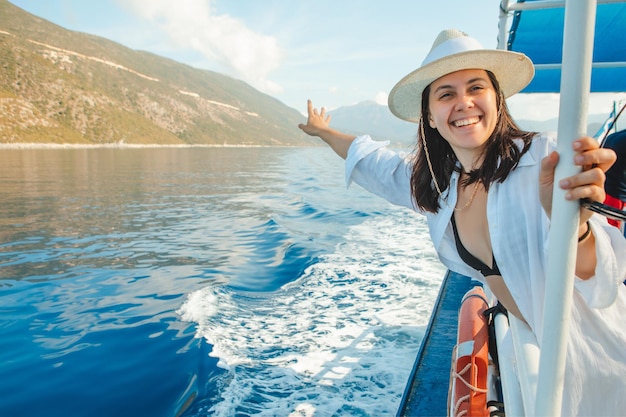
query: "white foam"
200, 306
340, 340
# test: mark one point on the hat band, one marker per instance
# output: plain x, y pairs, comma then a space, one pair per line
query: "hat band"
452, 46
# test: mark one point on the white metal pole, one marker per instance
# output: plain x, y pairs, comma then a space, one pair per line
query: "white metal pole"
574, 98
503, 24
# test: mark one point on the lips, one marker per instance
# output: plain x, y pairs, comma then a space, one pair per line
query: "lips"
466, 122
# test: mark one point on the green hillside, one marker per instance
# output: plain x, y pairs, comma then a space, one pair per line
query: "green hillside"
60, 86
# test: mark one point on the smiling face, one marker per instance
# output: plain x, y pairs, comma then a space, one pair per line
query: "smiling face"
463, 108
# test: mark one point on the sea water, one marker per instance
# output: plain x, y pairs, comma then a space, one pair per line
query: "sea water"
204, 282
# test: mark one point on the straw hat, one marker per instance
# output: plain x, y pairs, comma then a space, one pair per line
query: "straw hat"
452, 51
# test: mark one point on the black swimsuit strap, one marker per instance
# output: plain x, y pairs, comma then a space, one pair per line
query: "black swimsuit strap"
470, 259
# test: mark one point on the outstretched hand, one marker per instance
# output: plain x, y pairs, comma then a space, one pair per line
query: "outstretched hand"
318, 124
589, 183
317, 121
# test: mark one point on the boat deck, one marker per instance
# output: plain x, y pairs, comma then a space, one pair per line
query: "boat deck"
426, 393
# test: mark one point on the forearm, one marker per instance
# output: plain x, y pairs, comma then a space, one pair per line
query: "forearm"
339, 142
586, 260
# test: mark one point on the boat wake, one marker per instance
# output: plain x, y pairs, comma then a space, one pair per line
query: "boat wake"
339, 340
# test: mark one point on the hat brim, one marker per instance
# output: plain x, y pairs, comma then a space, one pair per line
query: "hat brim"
513, 70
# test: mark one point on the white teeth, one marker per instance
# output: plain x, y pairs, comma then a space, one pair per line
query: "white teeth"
467, 122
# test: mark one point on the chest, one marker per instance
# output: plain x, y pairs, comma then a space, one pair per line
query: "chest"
473, 227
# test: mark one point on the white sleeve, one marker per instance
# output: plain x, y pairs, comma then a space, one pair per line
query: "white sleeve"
600, 290
380, 171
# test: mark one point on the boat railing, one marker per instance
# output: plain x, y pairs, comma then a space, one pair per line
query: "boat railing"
518, 360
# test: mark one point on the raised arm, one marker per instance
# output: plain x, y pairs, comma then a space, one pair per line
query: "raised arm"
589, 183
318, 124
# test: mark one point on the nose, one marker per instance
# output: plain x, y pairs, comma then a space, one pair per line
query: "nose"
464, 102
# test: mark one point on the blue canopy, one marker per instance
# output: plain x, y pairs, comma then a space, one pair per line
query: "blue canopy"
539, 34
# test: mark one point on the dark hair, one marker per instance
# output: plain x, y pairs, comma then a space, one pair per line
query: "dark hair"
501, 154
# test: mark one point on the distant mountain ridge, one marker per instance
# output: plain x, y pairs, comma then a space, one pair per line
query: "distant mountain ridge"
60, 86
377, 121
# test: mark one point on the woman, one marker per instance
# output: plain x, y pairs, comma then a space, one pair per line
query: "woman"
485, 188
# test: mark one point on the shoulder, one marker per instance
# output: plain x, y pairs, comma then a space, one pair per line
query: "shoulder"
541, 145
539, 140
364, 145
545, 139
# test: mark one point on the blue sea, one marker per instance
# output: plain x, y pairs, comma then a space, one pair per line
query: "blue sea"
204, 281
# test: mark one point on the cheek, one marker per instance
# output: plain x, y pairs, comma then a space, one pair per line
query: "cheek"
435, 116
492, 105
438, 120
494, 114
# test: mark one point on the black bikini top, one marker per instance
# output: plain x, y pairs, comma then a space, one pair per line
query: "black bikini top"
470, 259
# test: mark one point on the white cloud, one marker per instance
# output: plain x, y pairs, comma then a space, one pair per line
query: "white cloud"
193, 24
381, 98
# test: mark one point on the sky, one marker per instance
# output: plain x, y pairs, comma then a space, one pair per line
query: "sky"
334, 52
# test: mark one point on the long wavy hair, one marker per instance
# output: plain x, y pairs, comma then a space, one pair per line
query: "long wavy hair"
500, 154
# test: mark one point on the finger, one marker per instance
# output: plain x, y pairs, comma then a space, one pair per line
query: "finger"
600, 157
585, 143
591, 192
309, 107
587, 184
305, 128
593, 176
546, 181
548, 164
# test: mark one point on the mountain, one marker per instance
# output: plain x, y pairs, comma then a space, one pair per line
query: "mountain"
61, 86
594, 122
377, 121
